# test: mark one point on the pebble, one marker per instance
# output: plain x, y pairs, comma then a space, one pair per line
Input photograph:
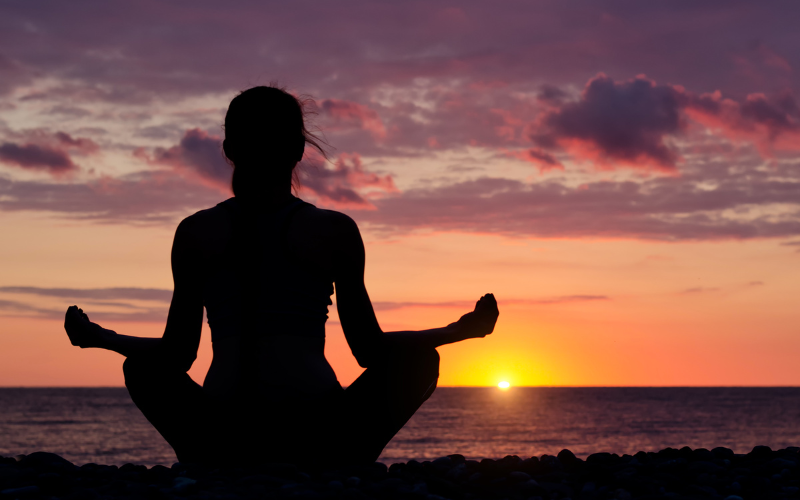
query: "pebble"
670, 473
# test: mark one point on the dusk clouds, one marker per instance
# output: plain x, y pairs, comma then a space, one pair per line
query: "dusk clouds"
42, 151
527, 121
199, 153
628, 122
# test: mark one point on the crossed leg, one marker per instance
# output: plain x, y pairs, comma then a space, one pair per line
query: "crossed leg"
353, 427
380, 402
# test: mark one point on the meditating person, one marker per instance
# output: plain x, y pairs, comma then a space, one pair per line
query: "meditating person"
264, 265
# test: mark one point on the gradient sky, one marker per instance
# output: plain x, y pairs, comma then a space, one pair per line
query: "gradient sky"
624, 176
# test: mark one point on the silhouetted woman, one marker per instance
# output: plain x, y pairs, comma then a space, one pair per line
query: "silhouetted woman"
264, 264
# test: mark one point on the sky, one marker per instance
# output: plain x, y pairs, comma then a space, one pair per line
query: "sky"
623, 176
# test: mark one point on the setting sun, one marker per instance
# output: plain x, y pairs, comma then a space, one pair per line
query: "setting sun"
504, 385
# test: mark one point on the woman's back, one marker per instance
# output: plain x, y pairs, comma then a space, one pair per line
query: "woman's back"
291, 281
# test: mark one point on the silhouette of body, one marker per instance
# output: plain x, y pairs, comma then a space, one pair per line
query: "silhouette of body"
263, 264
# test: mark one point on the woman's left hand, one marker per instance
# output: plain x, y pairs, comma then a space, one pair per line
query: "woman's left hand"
81, 331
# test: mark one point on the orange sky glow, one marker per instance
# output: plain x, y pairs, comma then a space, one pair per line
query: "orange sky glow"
635, 211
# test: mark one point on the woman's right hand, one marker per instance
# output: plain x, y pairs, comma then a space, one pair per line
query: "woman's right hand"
81, 331
480, 322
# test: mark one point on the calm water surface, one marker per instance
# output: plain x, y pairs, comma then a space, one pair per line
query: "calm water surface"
103, 426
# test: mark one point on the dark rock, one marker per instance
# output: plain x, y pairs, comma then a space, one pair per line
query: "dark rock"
703, 454
781, 463
476, 478
625, 473
457, 459
443, 487
707, 467
600, 458
392, 484
518, 476
52, 482
669, 473
50, 461
456, 473
723, 453
530, 466
556, 487
668, 453
549, 463
760, 452
566, 457
488, 465
184, 484
352, 494
23, 492
396, 469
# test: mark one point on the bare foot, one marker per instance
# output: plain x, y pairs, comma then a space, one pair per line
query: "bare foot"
81, 331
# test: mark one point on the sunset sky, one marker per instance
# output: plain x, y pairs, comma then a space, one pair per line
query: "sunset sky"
624, 176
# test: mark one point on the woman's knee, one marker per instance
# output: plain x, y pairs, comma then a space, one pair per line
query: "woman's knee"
133, 369
140, 370
424, 361
429, 358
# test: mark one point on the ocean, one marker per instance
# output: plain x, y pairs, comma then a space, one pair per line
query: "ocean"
102, 425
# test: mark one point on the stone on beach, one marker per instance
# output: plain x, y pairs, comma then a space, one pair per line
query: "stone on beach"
668, 474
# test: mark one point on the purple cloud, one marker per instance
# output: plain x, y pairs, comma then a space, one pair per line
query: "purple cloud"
150, 197
663, 208
341, 185
46, 152
199, 153
612, 121
34, 157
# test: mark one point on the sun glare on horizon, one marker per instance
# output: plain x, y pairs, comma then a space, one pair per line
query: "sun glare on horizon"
503, 385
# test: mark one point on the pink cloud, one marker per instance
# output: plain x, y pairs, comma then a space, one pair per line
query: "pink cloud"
543, 160
346, 115
340, 185
633, 122
770, 124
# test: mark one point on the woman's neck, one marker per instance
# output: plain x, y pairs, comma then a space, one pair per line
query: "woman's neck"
265, 199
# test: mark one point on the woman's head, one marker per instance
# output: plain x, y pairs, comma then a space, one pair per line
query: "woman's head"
265, 137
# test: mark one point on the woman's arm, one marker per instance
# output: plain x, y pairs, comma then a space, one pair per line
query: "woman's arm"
83, 333
184, 322
361, 328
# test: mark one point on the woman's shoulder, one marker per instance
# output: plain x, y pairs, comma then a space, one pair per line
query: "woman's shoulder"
328, 221
205, 223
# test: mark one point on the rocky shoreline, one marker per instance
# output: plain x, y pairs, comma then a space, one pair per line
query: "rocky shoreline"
668, 474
